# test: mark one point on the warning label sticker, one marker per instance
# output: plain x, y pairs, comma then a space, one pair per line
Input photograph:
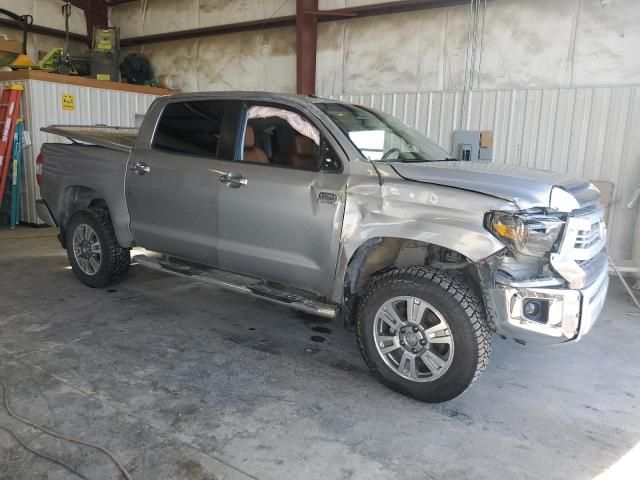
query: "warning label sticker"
68, 102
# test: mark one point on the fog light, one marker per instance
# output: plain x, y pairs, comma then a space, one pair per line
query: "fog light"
532, 308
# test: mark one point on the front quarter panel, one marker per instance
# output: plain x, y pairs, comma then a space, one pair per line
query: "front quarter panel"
423, 212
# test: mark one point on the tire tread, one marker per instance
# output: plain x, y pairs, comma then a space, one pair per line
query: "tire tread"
119, 258
458, 289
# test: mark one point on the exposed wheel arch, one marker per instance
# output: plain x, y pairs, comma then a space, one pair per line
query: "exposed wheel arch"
76, 198
379, 254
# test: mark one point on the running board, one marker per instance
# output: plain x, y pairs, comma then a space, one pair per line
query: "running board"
239, 283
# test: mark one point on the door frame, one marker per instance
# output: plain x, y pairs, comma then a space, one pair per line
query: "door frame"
327, 139
145, 151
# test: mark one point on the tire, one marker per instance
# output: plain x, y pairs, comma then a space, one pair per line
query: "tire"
111, 265
451, 339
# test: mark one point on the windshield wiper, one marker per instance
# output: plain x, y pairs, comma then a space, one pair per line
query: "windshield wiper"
411, 160
416, 160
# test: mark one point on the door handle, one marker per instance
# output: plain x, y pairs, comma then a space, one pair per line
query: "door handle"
140, 168
233, 180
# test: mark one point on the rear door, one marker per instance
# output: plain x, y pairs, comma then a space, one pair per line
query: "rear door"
281, 203
170, 184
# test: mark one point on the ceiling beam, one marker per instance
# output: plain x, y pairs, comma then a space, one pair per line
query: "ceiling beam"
254, 25
50, 32
386, 8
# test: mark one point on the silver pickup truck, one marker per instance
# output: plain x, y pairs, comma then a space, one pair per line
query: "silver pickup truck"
340, 211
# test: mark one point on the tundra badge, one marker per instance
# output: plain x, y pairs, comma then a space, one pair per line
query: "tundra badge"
328, 197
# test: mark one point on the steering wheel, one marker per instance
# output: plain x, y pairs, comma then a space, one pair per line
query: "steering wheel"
388, 153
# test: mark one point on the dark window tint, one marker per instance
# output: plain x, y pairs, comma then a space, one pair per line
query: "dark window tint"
191, 127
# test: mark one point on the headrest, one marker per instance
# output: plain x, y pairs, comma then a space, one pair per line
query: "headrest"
249, 137
302, 145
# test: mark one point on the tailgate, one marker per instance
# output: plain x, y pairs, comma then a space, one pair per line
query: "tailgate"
118, 138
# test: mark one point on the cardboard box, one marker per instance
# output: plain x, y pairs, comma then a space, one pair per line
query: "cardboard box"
9, 46
486, 139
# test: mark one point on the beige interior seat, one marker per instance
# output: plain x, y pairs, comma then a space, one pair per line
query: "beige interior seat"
251, 152
304, 153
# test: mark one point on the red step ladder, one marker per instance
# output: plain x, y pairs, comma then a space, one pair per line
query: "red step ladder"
9, 113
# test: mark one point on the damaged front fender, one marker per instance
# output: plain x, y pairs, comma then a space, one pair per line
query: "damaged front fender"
399, 210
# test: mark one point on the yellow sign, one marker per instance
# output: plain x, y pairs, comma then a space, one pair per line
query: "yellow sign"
103, 76
68, 102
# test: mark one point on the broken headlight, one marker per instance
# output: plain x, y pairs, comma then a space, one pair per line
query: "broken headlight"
535, 234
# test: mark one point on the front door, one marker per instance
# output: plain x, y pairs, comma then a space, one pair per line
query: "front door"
280, 213
170, 185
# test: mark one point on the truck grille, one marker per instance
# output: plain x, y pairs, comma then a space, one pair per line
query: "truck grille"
582, 255
586, 235
588, 238
594, 266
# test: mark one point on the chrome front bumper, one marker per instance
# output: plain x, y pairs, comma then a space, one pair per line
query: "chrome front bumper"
569, 314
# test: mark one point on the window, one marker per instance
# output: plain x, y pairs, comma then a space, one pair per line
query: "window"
370, 142
280, 137
192, 128
381, 137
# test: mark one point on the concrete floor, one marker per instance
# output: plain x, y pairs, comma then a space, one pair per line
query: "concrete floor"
184, 381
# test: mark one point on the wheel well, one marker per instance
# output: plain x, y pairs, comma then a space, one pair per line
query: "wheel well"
379, 254
77, 198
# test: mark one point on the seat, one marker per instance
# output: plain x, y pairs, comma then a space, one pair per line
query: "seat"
252, 153
304, 153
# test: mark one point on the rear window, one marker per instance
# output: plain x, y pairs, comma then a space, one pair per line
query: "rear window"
192, 128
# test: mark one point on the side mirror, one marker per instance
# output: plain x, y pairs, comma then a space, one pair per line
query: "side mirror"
329, 159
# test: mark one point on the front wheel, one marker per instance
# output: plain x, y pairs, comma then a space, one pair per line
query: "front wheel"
423, 333
93, 250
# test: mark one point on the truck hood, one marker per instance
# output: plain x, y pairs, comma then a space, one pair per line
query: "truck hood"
526, 187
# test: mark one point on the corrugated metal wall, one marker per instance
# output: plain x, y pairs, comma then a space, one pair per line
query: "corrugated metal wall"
42, 106
589, 132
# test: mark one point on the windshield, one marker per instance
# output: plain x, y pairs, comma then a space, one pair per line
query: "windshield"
380, 137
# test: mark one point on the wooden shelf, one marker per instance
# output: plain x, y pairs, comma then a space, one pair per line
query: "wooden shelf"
82, 81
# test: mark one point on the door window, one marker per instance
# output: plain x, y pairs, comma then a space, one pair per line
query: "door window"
191, 128
280, 137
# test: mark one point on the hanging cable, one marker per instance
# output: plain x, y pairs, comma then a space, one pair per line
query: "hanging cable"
484, 15
26, 421
42, 455
473, 58
467, 67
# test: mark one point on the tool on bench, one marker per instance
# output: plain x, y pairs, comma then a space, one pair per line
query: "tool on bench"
9, 114
17, 174
24, 22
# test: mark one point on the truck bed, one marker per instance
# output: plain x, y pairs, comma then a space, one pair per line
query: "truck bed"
74, 174
117, 138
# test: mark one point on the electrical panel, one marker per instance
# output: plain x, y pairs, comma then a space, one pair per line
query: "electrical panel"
471, 145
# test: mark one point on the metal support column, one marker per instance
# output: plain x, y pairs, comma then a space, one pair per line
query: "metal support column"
95, 11
306, 45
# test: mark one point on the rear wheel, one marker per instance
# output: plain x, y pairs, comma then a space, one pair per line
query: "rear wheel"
93, 250
423, 333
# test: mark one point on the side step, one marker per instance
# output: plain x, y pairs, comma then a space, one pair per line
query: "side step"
238, 283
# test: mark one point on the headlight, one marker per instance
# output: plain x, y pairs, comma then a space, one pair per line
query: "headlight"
526, 233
